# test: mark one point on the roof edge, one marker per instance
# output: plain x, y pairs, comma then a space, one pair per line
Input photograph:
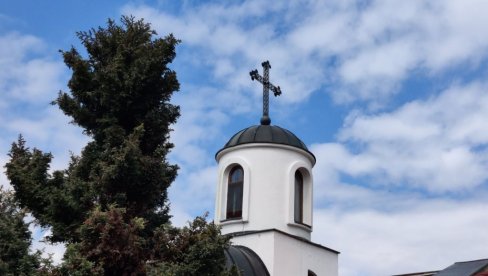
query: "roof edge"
245, 233
309, 154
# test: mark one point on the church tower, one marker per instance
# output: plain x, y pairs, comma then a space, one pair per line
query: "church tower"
264, 199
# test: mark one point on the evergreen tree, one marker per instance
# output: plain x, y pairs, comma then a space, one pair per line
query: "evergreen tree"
197, 249
110, 204
15, 239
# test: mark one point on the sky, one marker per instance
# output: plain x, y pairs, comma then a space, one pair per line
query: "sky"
390, 96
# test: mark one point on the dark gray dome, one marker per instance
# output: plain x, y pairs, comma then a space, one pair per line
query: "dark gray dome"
246, 261
266, 134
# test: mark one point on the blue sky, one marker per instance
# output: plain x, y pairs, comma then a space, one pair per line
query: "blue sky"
391, 97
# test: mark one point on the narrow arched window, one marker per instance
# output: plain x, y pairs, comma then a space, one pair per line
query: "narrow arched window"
311, 273
298, 197
235, 192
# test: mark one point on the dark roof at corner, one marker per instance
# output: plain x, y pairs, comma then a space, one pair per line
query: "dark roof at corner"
469, 268
266, 134
425, 273
246, 260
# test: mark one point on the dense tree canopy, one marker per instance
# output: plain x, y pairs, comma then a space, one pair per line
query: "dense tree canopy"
110, 204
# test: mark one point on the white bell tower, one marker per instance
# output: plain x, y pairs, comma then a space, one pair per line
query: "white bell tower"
264, 196
274, 179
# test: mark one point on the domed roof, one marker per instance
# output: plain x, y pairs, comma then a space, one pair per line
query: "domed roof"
266, 134
246, 261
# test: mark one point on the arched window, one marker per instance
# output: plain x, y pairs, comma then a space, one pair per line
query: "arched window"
298, 197
311, 273
234, 193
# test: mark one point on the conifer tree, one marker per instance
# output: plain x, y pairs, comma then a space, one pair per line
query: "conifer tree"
15, 239
110, 204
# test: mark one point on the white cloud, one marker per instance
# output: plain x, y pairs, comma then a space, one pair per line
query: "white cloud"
201, 121
358, 52
231, 48
56, 251
371, 47
15, 47
426, 236
406, 185
36, 79
49, 130
30, 80
180, 216
3, 177
398, 38
23, 76
436, 144
194, 191
386, 179
456, 37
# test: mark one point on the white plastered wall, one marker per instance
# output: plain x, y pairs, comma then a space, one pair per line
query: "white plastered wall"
268, 201
286, 256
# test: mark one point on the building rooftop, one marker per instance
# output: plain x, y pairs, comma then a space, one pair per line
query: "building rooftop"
266, 134
470, 268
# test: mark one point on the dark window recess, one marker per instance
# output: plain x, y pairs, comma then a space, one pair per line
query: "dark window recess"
298, 197
235, 193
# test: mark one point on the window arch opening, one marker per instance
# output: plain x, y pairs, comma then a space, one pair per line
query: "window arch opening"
235, 193
298, 205
311, 273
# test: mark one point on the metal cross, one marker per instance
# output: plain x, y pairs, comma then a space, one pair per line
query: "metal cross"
265, 120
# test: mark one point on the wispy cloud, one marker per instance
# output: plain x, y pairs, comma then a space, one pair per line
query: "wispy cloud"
437, 145
406, 184
396, 176
376, 242
29, 81
370, 47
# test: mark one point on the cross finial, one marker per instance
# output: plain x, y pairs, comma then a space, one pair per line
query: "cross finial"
265, 120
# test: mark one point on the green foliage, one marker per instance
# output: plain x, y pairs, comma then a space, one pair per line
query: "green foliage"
15, 239
78, 265
109, 245
110, 204
197, 249
54, 200
120, 96
125, 83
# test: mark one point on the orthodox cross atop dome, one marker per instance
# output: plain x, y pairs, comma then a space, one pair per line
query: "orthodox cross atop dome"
265, 120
